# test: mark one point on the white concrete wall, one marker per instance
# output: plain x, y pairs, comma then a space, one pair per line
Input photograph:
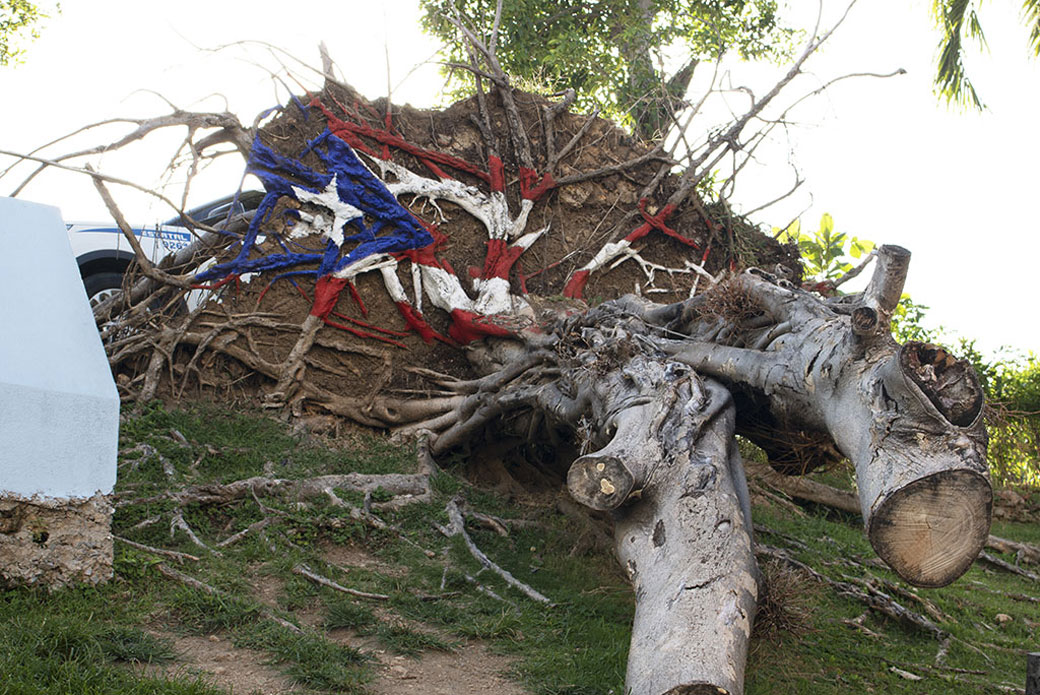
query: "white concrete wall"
59, 409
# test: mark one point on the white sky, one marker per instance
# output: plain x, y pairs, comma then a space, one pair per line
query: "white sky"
882, 156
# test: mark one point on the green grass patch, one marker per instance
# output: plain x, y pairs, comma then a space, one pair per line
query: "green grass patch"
404, 640
309, 658
78, 641
810, 639
342, 612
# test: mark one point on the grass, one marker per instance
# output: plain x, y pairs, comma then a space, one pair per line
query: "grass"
807, 641
79, 641
401, 639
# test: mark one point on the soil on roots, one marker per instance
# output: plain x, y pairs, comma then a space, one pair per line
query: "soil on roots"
370, 350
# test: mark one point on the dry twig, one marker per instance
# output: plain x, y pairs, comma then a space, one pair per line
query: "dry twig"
306, 572
189, 581
457, 527
172, 554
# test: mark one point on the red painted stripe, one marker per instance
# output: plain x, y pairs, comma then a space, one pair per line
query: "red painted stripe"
437, 171
639, 232
658, 222
533, 189
417, 323
326, 293
576, 284
264, 292
364, 334
469, 326
357, 298
500, 259
427, 255
216, 285
356, 322
350, 132
497, 176
523, 282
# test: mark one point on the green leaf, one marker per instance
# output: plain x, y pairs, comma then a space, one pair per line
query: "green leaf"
860, 247
826, 225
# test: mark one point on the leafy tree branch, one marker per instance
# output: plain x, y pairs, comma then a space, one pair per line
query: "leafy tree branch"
18, 19
632, 59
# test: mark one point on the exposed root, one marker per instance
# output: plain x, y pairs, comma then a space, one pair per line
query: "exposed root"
457, 527
306, 572
177, 523
252, 528
412, 485
172, 554
1008, 567
198, 585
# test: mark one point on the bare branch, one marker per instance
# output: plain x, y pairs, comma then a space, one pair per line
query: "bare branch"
457, 527
306, 572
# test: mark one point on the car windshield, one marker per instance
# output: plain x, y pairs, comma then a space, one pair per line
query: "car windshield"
217, 211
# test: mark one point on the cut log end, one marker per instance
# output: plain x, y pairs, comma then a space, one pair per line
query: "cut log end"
932, 530
600, 482
698, 689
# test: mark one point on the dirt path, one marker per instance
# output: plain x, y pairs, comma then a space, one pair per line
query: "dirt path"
471, 670
220, 663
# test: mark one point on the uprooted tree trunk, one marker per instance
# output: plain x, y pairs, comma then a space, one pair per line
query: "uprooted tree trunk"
429, 307
908, 417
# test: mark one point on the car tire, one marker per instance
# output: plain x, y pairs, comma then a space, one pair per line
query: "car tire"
101, 286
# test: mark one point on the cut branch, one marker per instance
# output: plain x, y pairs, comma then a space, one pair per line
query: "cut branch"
909, 418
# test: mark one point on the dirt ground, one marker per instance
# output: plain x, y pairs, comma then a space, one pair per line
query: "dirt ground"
217, 661
470, 669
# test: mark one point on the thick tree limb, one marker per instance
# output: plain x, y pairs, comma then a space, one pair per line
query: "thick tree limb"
687, 548
909, 418
813, 491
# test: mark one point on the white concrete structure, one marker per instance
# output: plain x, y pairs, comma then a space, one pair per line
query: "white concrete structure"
59, 409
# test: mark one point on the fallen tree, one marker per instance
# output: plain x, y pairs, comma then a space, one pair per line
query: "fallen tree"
391, 276
843, 500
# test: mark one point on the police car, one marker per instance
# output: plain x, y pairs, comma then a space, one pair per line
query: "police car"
104, 254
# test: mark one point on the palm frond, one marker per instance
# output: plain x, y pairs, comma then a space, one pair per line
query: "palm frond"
1031, 12
957, 19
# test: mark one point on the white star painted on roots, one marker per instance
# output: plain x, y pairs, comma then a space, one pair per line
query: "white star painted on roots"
329, 199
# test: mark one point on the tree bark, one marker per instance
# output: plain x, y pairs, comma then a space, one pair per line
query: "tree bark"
687, 547
671, 471
908, 417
